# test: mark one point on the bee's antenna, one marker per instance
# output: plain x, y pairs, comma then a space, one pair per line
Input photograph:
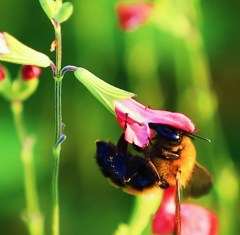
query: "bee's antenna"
198, 136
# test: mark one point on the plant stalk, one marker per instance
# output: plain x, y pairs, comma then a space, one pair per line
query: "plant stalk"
33, 216
58, 131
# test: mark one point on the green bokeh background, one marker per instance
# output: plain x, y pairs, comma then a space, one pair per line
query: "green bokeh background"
93, 40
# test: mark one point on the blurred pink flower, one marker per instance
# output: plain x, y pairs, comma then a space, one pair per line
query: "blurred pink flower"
195, 219
3, 45
133, 15
2, 73
134, 118
30, 71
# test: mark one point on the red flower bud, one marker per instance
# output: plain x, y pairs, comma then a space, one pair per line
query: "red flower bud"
2, 73
133, 15
30, 71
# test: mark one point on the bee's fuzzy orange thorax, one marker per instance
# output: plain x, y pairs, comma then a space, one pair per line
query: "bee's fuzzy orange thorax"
184, 164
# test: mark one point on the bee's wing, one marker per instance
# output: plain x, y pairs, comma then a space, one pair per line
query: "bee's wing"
200, 183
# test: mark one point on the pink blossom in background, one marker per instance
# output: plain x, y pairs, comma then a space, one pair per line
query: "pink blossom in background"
133, 15
195, 219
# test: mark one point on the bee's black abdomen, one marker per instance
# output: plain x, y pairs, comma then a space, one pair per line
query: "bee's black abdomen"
141, 174
111, 164
125, 170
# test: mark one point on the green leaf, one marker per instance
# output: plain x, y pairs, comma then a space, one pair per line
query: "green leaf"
19, 53
64, 12
49, 7
103, 91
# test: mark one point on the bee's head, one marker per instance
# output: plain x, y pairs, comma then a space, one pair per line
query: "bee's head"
166, 131
172, 133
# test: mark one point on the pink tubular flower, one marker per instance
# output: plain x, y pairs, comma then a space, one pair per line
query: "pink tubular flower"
30, 71
2, 73
194, 218
3, 45
134, 118
133, 15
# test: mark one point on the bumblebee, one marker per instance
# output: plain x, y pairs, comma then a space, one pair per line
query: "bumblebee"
169, 160
174, 156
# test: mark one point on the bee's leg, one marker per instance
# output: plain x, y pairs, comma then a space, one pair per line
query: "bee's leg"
169, 155
127, 180
122, 145
162, 182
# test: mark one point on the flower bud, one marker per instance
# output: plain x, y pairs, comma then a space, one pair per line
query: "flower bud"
29, 72
26, 83
2, 73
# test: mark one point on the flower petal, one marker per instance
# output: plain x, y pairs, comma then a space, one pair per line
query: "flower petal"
133, 15
163, 220
132, 115
195, 219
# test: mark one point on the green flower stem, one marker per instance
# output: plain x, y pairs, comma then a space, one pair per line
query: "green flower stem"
55, 199
144, 208
58, 38
58, 109
33, 215
58, 131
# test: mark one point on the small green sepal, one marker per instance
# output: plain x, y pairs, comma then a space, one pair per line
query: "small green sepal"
19, 53
49, 7
103, 91
22, 90
64, 12
56, 10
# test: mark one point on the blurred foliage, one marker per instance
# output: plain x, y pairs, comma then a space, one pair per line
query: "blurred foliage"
144, 62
